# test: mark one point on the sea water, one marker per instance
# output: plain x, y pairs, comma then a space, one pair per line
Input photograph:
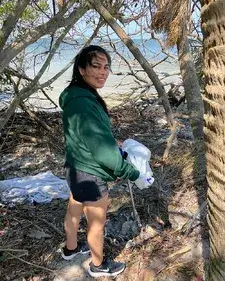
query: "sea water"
119, 82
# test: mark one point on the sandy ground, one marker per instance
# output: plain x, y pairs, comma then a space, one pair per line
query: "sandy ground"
179, 198
120, 84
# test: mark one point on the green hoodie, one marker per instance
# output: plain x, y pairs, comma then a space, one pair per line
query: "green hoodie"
90, 145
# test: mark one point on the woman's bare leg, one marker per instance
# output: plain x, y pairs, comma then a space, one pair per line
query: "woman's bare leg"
96, 216
72, 221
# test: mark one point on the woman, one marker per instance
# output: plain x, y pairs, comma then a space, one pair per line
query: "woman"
92, 157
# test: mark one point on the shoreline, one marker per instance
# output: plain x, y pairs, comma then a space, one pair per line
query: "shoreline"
119, 85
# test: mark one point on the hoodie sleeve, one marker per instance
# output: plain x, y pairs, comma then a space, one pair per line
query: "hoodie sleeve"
98, 138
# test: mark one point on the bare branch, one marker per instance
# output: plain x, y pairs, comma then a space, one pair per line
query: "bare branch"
128, 64
52, 53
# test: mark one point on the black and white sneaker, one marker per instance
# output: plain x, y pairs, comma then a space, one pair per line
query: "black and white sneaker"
107, 268
82, 248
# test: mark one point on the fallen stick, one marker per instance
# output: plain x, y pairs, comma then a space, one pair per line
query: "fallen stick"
33, 264
177, 254
52, 226
170, 140
159, 265
136, 216
12, 250
187, 226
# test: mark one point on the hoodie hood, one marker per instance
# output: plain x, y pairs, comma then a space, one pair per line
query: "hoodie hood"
74, 92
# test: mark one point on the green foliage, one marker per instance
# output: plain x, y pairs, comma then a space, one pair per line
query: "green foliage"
31, 13
6, 8
4, 81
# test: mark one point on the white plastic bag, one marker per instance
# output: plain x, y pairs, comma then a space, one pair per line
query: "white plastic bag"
139, 156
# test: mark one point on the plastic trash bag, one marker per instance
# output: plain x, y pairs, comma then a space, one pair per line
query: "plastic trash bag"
139, 156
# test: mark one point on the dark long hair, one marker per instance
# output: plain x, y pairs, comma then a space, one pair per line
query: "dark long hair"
82, 60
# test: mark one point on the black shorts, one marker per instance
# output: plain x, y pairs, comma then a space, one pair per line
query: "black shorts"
85, 187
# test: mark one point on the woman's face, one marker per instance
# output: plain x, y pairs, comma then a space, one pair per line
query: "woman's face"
97, 72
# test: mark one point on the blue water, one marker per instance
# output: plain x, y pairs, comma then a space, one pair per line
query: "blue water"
36, 54
151, 50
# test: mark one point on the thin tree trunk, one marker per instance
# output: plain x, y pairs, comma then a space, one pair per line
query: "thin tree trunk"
213, 22
173, 17
104, 13
191, 87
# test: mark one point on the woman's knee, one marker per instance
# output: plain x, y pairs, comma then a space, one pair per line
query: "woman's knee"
97, 228
96, 214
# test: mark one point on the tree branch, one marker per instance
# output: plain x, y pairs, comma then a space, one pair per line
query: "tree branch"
11, 21
32, 36
33, 87
104, 13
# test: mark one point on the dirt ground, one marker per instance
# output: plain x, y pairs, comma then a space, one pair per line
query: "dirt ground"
173, 241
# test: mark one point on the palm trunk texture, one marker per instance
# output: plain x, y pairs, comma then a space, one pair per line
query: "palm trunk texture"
213, 28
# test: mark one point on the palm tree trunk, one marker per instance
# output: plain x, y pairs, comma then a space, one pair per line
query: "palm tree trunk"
213, 22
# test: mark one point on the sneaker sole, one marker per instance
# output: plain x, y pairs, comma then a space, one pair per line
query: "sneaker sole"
100, 274
67, 258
